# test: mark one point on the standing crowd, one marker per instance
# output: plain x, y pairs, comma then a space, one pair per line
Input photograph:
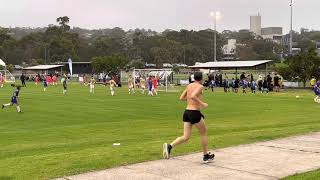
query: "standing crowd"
245, 82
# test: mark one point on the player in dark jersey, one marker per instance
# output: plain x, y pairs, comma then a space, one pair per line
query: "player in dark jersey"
317, 92
45, 84
14, 99
149, 83
65, 86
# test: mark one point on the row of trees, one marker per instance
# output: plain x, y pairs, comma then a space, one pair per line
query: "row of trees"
60, 42
111, 49
301, 67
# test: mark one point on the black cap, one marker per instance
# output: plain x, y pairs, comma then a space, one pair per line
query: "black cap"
198, 76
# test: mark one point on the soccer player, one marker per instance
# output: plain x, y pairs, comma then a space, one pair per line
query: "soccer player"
65, 86
244, 86
45, 84
143, 84
317, 92
130, 85
155, 85
14, 99
113, 84
92, 83
149, 82
253, 85
192, 116
37, 80
55, 80
1, 80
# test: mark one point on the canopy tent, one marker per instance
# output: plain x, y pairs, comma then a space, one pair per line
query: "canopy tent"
229, 64
43, 67
2, 63
232, 65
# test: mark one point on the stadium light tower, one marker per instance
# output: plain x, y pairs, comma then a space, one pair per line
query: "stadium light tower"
291, 17
216, 16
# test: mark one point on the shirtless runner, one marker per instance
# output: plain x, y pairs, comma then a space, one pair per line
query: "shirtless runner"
192, 116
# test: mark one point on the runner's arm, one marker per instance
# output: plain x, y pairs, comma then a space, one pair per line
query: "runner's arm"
183, 96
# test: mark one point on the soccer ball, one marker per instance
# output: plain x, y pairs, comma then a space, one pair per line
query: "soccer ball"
297, 97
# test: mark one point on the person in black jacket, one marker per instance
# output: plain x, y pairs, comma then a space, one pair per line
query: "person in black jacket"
23, 80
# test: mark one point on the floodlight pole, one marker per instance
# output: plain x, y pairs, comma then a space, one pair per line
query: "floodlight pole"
134, 78
165, 76
215, 36
291, 34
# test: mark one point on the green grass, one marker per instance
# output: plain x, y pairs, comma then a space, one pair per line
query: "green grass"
314, 175
63, 135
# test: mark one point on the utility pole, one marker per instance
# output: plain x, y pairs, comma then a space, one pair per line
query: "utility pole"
215, 37
45, 55
291, 31
215, 16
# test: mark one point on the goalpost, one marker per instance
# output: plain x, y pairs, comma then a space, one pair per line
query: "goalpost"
8, 77
165, 78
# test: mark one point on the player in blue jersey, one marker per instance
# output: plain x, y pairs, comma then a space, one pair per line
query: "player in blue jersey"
14, 99
149, 83
317, 92
244, 86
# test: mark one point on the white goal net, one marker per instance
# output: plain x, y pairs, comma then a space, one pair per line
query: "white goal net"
164, 77
8, 77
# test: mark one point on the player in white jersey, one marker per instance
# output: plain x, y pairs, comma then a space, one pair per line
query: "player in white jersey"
92, 84
113, 85
130, 85
143, 84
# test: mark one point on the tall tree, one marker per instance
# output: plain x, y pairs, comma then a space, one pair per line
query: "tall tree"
63, 22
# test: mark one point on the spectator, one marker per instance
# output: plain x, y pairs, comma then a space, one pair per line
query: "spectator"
226, 86
236, 85
265, 87
269, 82
253, 86
220, 80
243, 76
23, 80
233, 84
276, 81
260, 83
244, 86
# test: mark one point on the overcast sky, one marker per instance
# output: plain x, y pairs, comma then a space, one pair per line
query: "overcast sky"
159, 14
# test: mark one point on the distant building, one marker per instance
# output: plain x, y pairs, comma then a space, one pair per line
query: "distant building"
167, 65
286, 44
255, 24
230, 48
272, 33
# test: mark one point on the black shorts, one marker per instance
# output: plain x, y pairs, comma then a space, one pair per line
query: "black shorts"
192, 116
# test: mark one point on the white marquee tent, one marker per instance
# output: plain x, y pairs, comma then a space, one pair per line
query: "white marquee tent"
232, 65
2, 63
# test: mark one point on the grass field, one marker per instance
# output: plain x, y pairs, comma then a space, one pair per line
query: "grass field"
63, 135
314, 175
